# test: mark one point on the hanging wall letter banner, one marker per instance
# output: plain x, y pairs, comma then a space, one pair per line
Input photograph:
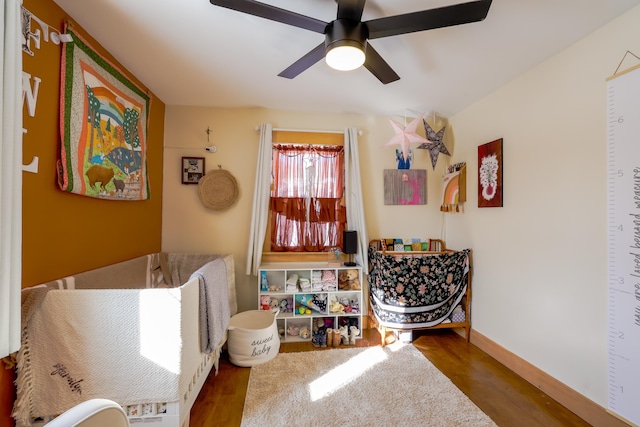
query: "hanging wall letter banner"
47, 32
103, 127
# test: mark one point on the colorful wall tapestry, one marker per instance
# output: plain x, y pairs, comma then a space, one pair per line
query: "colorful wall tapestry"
103, 127
454, 188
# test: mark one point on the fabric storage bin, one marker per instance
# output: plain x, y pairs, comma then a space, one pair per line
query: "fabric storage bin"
253, 338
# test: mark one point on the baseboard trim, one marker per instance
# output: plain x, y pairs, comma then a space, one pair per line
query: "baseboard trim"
583, 407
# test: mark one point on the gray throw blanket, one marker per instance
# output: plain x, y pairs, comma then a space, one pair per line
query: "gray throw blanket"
214, 307
178, 267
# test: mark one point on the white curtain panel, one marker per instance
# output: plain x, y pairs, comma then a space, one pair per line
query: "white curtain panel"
261, 196
353, 187
10, 178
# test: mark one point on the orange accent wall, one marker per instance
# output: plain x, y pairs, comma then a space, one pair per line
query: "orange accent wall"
7, 396
65, 234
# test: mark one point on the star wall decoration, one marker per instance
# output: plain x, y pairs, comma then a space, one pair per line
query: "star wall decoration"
434, 143
406, 135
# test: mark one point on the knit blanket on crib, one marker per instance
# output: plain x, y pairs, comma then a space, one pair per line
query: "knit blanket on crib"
213, 304
416, 290
177, 268
72, 367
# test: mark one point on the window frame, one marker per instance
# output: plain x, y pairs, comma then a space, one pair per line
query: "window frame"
303, 138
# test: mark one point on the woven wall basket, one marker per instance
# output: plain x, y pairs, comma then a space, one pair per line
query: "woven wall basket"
218, 190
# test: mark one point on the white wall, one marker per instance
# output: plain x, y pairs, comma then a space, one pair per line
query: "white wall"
540, 282
188, 226
540, 261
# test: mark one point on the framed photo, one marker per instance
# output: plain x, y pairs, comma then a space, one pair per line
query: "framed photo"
490, 172
192, 169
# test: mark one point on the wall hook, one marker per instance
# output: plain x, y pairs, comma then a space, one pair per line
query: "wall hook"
210, 148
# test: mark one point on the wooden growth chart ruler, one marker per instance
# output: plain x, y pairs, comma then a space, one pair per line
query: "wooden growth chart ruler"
623, 213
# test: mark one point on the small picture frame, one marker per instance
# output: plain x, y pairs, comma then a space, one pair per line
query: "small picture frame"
192, 169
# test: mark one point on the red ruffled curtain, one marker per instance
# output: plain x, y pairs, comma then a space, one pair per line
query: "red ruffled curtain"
307, 209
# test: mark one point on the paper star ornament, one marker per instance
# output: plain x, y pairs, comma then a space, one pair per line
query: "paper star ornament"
406, 135
434, 143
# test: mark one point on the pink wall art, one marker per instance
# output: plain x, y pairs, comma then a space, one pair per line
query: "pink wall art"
405, 187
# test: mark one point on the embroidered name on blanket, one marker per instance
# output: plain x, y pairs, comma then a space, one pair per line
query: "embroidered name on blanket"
74, 384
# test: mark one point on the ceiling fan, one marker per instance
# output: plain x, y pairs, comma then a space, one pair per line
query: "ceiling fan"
346, 44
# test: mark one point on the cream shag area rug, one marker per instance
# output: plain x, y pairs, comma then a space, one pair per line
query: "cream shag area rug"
360, 386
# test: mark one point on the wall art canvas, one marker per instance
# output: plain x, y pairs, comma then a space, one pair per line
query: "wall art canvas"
490, 172
454, 187
103, 127
405, 187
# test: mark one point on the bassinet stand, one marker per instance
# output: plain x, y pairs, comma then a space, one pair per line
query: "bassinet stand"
440, 248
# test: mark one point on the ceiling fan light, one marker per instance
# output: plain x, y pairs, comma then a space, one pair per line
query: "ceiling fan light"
345, 57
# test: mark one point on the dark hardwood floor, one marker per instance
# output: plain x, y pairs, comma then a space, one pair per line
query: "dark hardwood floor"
505, 397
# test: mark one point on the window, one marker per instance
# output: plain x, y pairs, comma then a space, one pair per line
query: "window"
307, 211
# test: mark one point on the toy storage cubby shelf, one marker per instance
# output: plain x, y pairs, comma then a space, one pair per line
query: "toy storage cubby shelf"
310, 295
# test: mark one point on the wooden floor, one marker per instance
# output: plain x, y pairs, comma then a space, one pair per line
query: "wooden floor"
505, 397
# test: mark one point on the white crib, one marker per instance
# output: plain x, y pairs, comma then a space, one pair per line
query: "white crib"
124, 333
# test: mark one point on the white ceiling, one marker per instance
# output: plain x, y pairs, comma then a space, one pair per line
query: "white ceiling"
189, 52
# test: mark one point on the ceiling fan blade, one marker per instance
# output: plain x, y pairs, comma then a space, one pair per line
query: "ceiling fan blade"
305, 62
429, 19
379, 67
273, 13
350, 9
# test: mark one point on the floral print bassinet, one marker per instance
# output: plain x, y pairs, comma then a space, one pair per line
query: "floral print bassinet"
413, 290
